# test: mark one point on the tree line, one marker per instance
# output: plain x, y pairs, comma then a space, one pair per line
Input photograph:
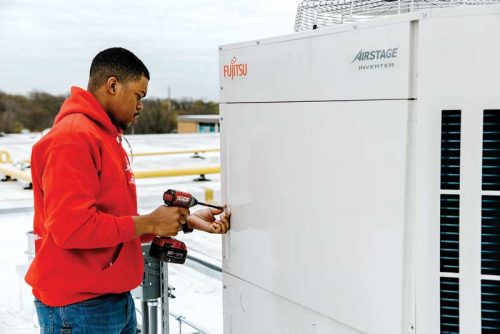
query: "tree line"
37, 110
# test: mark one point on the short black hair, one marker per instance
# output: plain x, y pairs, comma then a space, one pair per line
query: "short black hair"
116, 62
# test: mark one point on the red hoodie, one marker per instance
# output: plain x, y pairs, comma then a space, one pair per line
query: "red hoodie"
85, 197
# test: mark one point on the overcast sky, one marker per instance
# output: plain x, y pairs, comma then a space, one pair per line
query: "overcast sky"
48, 45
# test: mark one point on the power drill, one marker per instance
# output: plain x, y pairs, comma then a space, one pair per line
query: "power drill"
168, 249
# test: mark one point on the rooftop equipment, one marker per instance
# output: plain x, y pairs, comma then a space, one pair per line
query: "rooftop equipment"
361, 163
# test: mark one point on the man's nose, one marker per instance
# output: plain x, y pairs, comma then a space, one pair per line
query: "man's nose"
140, 106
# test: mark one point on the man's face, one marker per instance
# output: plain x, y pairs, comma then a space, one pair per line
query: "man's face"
126, 104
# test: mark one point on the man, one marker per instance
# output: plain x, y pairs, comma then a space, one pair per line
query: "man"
87, 229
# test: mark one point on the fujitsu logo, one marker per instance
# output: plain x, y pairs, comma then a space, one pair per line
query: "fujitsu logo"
235, 69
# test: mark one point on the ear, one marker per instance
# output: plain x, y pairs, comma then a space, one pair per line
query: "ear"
112, 85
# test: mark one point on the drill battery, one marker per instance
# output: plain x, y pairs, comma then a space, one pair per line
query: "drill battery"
168, 250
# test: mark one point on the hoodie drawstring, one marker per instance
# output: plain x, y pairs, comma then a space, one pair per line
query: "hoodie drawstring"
130, 148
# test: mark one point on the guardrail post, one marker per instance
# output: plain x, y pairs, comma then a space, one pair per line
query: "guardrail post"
209, 195
164, 298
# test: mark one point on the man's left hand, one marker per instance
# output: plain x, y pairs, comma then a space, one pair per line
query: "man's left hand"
204, 220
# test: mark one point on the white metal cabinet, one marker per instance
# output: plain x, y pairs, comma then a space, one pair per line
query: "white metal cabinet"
333, 168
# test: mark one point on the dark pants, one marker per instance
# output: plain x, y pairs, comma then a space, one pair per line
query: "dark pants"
109, 314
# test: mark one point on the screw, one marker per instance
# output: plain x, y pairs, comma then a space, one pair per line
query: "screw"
221, 88
258, 42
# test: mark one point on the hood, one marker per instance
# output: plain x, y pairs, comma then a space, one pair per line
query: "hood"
83, 102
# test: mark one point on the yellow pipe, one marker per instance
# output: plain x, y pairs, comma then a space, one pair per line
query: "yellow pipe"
176, 172
145, 154
5, 157
14, 173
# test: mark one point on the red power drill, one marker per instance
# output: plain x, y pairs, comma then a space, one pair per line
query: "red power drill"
168, 249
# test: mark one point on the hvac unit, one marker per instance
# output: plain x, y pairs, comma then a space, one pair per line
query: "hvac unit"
361, 162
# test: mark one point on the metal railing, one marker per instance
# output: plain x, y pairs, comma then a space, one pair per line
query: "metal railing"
182, 320
208, 269
14, 171
155, 286
202, 171
153, 327
22, 172
195, 152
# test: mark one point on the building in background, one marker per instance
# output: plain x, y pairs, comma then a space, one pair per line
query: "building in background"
198, 124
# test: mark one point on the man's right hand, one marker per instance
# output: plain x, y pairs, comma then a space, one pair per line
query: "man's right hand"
163, 221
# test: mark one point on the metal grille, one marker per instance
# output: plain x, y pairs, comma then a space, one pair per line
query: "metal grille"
490, 307
449, 305
450, 233
316, 14
450, 149
491, 150
490, 235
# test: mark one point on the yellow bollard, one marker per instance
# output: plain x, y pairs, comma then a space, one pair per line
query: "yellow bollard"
209, 195
5, 157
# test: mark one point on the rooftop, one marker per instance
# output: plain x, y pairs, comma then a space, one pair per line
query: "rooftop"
198, 292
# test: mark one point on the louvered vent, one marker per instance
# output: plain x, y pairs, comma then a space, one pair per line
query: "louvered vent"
449, 233
490, 307
490, 235
449, 305
491, 150
450, 149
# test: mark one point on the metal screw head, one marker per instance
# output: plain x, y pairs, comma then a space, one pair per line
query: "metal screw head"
221, 88
220, 48
258, 42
